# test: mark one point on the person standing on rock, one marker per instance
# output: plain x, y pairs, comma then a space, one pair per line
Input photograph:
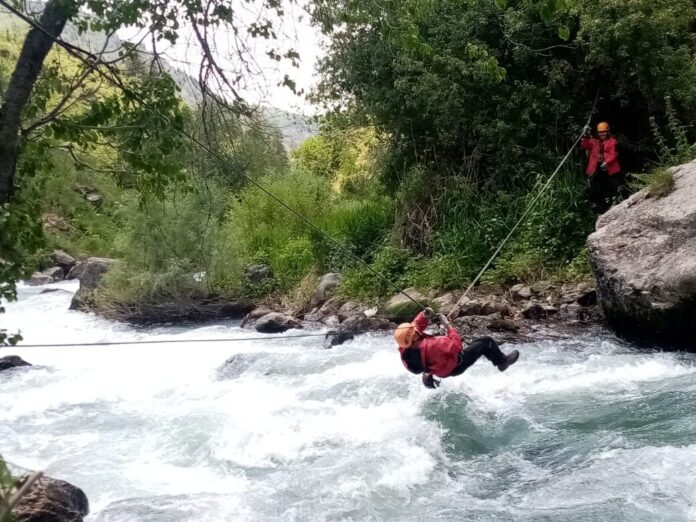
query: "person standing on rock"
443, 356
603, 168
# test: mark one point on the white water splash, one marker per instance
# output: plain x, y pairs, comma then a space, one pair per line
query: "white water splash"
585, 429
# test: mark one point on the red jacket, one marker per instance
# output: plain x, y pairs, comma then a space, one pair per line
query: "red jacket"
597, 148
438, 354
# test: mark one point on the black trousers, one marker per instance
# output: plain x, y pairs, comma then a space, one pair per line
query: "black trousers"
485, 346
604, 190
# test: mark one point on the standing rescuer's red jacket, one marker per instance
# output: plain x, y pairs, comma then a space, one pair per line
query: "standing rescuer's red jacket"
602, 151
438, 354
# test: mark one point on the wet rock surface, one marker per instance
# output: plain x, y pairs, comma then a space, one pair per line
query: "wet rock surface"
643, 255
10, 362
51, 500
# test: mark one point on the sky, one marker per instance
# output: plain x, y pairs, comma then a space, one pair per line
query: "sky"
262, 86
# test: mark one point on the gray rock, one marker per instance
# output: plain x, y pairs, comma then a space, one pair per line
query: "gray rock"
89, 273
521, 292
238, 364
537, 311
254, 315
336, 338
257, 274
63, 260
327, 286
51, 500
38, 279
12, 361
331, 306
503, 325
56, 273
401, 308
446, 302
588, 298
313, 317
482, 307
332, 321
371, 312
643, 255
354, 325
349, 309
276, 322
94, 198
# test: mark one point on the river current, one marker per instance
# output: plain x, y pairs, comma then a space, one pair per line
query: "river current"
581, 429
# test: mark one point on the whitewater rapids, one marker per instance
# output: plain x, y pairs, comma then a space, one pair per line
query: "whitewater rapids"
581, 429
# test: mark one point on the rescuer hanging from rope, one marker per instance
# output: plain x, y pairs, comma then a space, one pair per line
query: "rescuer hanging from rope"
603, 168
443, 355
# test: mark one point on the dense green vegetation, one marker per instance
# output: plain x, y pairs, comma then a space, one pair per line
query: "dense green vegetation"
442, 121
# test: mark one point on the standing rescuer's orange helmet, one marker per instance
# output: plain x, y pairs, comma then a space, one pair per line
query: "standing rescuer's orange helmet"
404, 334
603, 127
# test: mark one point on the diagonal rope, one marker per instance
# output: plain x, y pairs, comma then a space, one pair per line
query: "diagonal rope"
93, 60
530, 207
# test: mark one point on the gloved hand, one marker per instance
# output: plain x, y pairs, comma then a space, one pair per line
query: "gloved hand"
444, 320
429, 313
587, 130
429, 381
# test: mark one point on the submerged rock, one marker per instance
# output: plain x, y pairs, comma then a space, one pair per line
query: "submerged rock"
51, 500
643, 255
12, 361
238, 364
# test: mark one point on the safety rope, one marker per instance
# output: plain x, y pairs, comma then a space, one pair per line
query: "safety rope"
455, 310
204, 340
94, 60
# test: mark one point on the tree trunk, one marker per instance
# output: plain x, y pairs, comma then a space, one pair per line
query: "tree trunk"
36, 46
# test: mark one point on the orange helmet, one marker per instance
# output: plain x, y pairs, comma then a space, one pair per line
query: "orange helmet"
404, 334
603, 127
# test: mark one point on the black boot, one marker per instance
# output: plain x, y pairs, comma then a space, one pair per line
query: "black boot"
510, 359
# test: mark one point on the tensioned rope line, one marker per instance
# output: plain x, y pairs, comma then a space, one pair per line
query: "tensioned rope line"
531, 205
206, 340
72, 50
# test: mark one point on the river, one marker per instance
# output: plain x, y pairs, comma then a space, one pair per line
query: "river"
582, 429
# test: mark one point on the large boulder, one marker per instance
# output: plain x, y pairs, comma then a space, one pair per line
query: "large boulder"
51, 500
12, 361
238, 364
327, 286
63, 260
276, 322
402, 307
643, 255
89, 273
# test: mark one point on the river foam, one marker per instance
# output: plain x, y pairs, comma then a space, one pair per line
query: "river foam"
581, 429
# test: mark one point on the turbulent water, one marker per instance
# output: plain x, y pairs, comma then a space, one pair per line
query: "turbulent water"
582, 429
